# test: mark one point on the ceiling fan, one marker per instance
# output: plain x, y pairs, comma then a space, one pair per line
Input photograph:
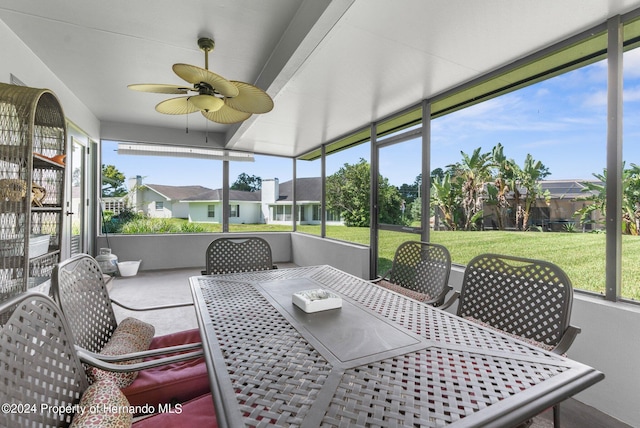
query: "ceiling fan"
218, 99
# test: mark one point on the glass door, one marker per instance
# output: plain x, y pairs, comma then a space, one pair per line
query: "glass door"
399, 197
77, 197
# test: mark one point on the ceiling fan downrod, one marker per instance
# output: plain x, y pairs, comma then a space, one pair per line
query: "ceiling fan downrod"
206, 45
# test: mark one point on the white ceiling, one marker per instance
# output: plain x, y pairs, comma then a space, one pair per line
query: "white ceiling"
331, 67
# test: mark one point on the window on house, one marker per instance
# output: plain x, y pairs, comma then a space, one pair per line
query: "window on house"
316, 213
211, 211
309, 193
159, 205
281, 212
234, 210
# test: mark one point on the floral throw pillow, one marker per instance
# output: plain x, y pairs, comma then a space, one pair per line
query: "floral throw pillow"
103, 405
131, 335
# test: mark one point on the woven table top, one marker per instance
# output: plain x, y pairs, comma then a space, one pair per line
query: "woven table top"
382, 360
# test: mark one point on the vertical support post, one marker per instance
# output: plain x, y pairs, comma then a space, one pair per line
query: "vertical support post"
425, 194
373, 203
294, 205
225, 196
614, 160
323, 200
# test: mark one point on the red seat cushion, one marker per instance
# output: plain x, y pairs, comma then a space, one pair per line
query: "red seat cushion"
198, 412
177, 382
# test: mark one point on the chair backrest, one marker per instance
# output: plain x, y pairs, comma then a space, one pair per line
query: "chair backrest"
78, 286
421, 266
39, 364
230, 255
526, 297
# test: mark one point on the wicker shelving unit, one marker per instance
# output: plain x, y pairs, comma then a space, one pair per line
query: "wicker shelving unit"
32, 176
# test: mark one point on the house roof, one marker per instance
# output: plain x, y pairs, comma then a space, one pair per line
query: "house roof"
308, 189
177, 193
566, 189
234, 195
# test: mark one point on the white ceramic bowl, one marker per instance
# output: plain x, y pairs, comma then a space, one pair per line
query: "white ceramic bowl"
129, 268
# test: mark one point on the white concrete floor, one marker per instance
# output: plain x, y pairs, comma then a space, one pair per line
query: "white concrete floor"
151, 288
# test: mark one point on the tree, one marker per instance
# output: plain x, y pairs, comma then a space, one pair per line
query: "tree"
529, 179
630, 199
504, 183
472, 174
348, 192
112, 182
247, 183
446, 197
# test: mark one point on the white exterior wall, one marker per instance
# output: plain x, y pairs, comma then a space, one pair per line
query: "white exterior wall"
199, 212
270, 194
250, 213
180, 209
147, 204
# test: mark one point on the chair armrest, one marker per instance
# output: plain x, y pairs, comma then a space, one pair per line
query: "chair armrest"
450, 301
567, 339
90, 359
439, 299
196, 346
384, 276
152, 308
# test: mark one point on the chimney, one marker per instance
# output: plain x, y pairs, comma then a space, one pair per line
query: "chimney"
270, 190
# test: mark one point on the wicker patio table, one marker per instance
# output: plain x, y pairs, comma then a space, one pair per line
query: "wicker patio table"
382, 360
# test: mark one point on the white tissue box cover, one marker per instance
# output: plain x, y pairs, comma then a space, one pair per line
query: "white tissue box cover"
316, 300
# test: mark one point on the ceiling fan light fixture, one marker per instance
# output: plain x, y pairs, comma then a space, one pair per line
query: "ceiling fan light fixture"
207, 103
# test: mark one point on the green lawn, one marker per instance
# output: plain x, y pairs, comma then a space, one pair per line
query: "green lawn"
581, 255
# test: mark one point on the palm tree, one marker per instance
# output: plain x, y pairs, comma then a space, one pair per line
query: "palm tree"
630, 199
504, 183
473, 171
529, 179
445, 197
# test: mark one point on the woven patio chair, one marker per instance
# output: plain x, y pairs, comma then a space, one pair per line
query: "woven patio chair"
524, 298
45, 384
421, 271
78, 287
232, 255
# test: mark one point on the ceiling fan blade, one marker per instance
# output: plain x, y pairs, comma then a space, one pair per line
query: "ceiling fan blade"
226, 115
195, 75
207, 102
159, 88
250, 99
181, 105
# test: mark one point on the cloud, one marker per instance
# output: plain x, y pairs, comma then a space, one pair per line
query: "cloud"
595, 99
632, 94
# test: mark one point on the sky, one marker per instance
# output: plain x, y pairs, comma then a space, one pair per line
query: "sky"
560, 122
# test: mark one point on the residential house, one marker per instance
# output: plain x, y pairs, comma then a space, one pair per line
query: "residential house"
555, 212
273, 204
